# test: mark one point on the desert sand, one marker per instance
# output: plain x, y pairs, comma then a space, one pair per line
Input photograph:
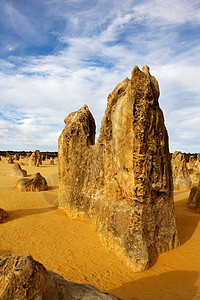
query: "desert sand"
72, 247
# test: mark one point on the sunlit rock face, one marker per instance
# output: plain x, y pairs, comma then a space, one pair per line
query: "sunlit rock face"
123, 182
192, 162
35, 159
16, 170
36, 183
22, 278
181, 177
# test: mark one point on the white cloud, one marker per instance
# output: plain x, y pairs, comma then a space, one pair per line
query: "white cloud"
38, 92
168, 12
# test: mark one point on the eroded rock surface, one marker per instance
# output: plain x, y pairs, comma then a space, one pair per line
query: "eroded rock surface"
198, 161
17, 171
3, 215
124, 181
194, 198
181, 177
24, 278
38, 158
35, 159
35, 184
192, 161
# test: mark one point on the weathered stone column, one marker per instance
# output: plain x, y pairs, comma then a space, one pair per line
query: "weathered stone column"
124, 181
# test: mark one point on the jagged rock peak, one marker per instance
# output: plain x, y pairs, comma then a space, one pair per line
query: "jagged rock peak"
123, 183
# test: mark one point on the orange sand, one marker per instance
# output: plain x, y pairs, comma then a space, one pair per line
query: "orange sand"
72, 247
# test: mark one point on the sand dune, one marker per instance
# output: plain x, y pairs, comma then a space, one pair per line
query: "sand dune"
72, 247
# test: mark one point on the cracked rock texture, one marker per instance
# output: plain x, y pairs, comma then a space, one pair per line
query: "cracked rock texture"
180, 172
123, 183
21, 278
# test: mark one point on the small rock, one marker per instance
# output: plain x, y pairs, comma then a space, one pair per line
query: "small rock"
194, 198
17, 171
35, 184
3, 215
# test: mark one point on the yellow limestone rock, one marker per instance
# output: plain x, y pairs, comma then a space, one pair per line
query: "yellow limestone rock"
123, 183
180, 172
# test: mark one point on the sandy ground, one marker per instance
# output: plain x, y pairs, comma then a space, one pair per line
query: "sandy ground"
72, 247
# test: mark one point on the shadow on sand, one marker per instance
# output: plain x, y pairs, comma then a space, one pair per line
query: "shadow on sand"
187, 220
21, 213
169, 285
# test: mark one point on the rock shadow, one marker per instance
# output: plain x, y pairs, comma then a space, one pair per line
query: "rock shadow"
178, 284
21, 213
187, 220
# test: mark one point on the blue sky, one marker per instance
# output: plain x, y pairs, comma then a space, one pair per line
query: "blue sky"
57, 55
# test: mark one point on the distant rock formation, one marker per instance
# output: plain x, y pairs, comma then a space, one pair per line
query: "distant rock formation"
3, 215
181, 177
16, 156
124, 181
27, 158
56, 160
17, 171
8, 159
21, 277
192, 161
35, 184
51, 161
32, 160
38, 158
194, 198
35, 159
198, 161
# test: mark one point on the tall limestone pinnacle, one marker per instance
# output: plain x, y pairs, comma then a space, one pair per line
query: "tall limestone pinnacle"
123, 183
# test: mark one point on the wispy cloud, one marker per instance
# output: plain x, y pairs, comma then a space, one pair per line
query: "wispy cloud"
69, 53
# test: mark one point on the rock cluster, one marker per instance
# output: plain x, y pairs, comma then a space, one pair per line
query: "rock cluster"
35, 184
17, 171
3, 215
181, 177
194, 198
123, 183
24, 278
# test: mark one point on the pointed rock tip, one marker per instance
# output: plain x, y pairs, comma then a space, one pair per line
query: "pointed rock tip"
146, 70
135, 70
85, 107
